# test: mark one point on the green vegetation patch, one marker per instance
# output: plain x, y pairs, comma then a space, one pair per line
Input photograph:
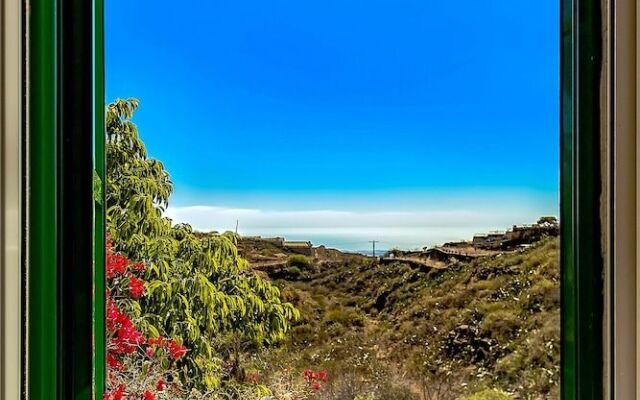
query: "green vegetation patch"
490, 394
298, 260
396, 331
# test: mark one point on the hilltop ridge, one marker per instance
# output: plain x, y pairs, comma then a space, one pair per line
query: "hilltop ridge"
270, 252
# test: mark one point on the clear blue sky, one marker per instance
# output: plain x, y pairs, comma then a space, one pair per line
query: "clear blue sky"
364, 107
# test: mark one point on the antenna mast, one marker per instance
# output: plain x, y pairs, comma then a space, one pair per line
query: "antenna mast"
374, 246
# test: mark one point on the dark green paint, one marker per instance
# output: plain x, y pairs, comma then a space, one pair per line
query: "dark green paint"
582, 264
60, 298
42, 238
568, 288
100, 217
75, 206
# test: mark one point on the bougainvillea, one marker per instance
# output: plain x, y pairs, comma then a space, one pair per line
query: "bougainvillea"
147, 395
136, 287
315, 379
137, 366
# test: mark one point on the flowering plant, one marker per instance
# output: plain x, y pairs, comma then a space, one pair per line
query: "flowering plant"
315, 379
138, 367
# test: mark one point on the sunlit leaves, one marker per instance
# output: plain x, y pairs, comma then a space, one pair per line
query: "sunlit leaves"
198, 287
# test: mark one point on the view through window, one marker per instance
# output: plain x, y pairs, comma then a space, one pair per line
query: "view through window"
332, 200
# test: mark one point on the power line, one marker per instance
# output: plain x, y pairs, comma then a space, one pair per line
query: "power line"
374, 246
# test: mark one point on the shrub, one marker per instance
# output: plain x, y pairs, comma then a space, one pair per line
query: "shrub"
299, 261
368, 396
500, 324
344, 317
489, 394
545, 294
292, 273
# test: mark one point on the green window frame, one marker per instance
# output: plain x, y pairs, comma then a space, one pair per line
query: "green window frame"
64, 300
65, 227
582, 287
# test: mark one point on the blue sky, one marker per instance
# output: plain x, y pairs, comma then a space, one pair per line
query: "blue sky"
321, 119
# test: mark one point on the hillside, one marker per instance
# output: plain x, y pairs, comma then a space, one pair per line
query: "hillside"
401, 331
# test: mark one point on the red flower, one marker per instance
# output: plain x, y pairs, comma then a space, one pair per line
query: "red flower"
161, 385
128, 337
322, 375
149, 352
176, 350
117, 395
308, 375
148, 395
158, 341
316, 386
130, 334
139, 267
115, 318
113, 362
136, 287
116, 265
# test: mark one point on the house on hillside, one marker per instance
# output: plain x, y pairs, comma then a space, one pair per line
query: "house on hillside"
458, 243
518, 235
527, 234
479, 240
489, 241
394, 253
278, 241
299, 246
448, 254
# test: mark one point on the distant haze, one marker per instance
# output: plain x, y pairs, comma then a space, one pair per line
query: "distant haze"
353, 229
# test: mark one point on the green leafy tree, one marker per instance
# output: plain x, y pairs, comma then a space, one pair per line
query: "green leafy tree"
199, 287
547, 221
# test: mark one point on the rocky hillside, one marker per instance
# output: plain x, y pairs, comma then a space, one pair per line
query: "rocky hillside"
397, 331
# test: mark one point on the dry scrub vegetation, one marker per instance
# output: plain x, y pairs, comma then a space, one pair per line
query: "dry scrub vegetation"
401, 332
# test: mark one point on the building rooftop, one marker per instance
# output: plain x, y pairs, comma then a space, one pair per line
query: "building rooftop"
297, 243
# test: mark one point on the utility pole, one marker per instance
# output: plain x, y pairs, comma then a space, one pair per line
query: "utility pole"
374, 246
237, 221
